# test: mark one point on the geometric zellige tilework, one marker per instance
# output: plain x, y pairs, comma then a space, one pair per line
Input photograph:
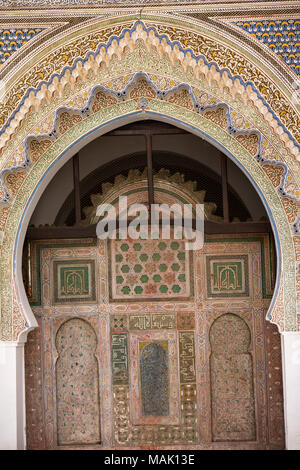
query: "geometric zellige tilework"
11, 39
282, 36
149, 269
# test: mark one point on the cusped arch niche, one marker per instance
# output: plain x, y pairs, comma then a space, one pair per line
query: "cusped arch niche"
154, 379
170, 188
40, 139
77, 384
231, 379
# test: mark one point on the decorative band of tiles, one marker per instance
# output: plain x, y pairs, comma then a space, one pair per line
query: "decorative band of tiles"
119, 359
187, 357
152, 321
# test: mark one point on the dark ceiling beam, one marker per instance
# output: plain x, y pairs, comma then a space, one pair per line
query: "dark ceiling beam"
76, 183
236, 227
148, 138
225, 201
88, 231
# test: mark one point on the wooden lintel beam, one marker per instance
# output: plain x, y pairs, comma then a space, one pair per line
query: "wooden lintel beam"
236, 227
89, 231
46, 233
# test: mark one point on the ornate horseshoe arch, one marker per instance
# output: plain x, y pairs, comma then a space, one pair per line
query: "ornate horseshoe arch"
114, 72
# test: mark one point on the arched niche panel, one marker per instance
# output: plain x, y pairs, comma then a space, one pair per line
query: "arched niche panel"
154, 375
77, 384
231, 375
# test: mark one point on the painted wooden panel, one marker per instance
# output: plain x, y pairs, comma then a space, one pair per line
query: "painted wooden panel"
231, 370
78, 414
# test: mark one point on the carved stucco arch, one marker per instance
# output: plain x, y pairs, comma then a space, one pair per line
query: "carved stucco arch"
138, 71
